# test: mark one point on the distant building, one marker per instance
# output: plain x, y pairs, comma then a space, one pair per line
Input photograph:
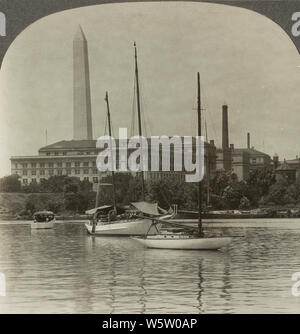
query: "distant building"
78, 158
238, 160
288, 170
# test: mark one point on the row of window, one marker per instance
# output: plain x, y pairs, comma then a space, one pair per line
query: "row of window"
257, 160
72, 153
159, 175
60, 171
57, 164
33, 180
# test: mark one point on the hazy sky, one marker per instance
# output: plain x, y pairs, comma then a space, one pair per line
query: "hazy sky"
244, 58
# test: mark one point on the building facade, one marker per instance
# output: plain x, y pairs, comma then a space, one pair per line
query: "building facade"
288, 169
77, 158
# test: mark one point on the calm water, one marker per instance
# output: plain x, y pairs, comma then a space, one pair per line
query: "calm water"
66, 271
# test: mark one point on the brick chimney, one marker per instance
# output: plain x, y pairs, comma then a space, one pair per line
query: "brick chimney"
225, 135
248, 140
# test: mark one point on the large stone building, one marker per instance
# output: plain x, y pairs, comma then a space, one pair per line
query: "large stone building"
77, 157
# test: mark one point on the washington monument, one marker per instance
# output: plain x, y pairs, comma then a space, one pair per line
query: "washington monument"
82, 118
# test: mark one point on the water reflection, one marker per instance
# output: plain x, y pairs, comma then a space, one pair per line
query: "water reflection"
163, 279
65, 270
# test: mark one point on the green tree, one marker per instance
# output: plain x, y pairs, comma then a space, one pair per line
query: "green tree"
244, 203
10, 183
277, 193
260, 180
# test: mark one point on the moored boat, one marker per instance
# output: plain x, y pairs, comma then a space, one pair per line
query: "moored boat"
182, 241
43, 220
137, 221
108, 220
195, 239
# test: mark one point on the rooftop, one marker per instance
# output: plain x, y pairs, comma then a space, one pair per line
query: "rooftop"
76, 144
284, 166
70, 144
251, 151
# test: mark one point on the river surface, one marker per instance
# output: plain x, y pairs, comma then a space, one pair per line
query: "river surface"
64, 270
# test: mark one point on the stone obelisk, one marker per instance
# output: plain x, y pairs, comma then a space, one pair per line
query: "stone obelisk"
82, 118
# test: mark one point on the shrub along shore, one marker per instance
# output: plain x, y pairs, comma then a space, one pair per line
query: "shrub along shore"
69, 198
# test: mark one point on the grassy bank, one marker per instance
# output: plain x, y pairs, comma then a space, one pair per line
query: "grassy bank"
14, 205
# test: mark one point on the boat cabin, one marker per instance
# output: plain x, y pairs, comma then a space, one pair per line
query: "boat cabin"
43, 216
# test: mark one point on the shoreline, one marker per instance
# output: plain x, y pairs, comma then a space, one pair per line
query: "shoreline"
191, 222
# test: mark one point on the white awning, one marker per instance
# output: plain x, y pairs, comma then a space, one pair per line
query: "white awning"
148, 208
93, 211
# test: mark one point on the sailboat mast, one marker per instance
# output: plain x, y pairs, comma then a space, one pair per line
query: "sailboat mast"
110, 135
139, 112
199, 135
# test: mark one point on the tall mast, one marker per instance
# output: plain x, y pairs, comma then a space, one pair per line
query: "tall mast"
139, 112
112, 172
199, 135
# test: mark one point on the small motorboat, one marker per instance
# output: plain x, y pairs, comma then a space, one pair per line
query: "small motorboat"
43, 220
182, 241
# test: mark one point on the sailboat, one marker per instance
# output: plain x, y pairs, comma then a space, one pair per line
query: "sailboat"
195, 240
111, 220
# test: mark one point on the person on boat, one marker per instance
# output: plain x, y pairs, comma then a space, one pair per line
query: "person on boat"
112, 215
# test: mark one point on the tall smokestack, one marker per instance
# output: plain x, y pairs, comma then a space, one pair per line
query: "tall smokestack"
225, 136
248, 140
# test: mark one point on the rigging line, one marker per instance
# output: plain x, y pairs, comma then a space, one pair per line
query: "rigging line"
147, 119
144, 122
209, 118
105, 128
206, 133
217, 141
194, 122
144, 99
133, 114
204, 113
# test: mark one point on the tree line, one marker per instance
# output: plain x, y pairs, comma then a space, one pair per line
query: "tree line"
224, 189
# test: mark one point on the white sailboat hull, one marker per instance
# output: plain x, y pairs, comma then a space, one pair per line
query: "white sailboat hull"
184, 243
125, 228
42, 225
